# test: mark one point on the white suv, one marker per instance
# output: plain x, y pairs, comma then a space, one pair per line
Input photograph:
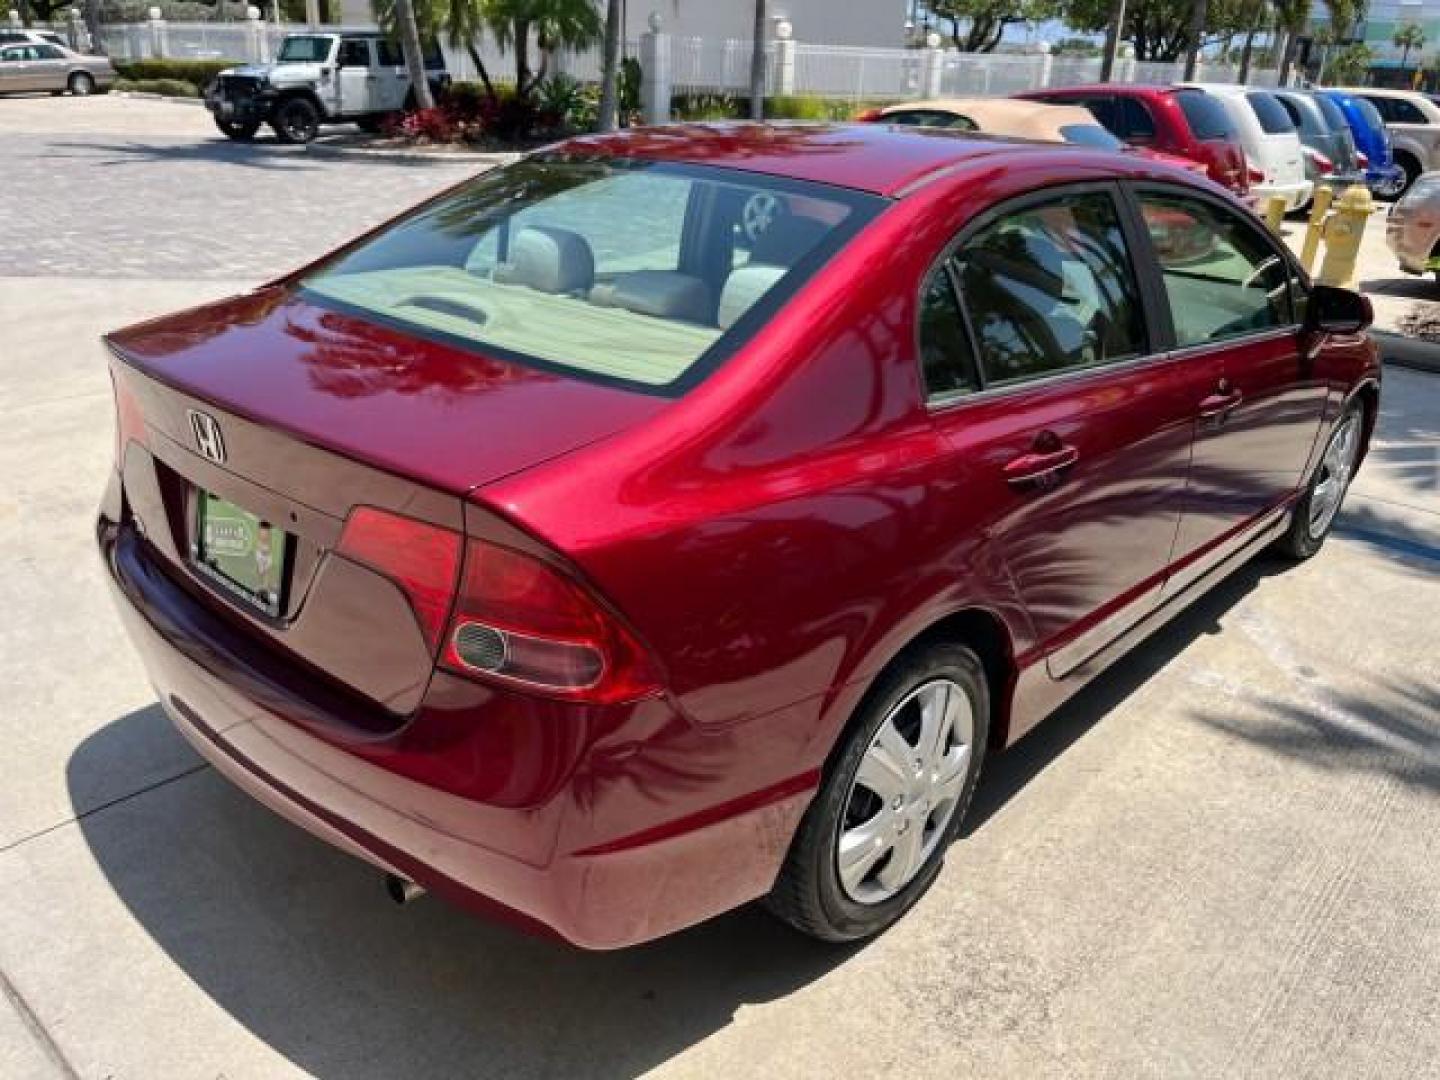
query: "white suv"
318, 79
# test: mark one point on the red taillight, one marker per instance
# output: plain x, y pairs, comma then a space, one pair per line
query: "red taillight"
1323, 165
520, 620
1254, 174
869, 116
129, 419
423, 559
1362, 159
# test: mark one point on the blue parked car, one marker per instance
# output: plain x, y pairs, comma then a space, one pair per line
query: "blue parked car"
1382, 175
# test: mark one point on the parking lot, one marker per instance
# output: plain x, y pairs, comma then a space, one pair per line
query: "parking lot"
1223, 859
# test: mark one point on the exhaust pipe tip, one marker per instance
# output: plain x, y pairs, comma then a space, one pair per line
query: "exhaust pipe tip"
402, 890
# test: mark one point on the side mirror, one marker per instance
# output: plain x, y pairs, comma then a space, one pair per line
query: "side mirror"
1337, 311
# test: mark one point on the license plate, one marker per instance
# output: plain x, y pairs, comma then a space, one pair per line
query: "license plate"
240, 551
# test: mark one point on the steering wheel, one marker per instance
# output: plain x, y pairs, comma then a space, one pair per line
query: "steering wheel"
758, 214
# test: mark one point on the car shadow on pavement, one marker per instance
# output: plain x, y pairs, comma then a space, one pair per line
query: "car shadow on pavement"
1414, 288
254, 155
297, 942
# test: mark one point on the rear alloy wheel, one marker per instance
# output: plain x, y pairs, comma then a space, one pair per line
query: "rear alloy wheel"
238, 131
1318, 506
80, 84
874, 838
297, 120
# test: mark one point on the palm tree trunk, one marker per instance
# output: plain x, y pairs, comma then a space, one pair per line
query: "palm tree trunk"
1243, 76
92, 26
1113, 31
610, 68
414, 58
757, 64
481, 71
1197, 35
522, 56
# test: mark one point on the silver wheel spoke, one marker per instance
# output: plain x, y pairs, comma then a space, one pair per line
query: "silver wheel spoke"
935, 716
905, 858
862, 847
883, 769
951, 779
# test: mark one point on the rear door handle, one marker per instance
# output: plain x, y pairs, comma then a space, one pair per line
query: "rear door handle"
1219, 403
1038, 466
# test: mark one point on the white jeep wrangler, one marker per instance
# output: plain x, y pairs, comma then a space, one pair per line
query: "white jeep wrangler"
318, 79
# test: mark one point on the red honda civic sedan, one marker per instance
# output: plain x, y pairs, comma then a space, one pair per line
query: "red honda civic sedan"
680, 517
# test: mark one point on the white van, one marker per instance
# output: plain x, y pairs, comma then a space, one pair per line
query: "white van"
1270, 141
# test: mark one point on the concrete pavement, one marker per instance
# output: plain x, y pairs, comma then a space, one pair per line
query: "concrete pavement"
1223, 859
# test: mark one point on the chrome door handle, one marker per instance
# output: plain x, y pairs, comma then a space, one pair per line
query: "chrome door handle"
1038, 466
1219, 403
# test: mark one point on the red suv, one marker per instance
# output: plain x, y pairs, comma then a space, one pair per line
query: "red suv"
682, 516
1174, 120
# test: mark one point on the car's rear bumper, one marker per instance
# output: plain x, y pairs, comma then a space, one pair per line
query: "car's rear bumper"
538, 872
1295, 194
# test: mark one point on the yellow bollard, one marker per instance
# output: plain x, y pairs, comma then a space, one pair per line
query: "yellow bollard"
1316, 227
1275, 212
1343, 233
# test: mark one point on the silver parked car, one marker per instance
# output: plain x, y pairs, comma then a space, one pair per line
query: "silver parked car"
41, 66
1413, 228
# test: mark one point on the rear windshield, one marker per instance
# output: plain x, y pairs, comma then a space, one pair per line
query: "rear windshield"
1369, 112
1206, 116
1274, 120
1090, 135
1333, 116
635, 273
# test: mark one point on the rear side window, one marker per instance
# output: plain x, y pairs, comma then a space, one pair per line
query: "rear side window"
1333, 116
1103, 109
354, 52
1206, 116
1274, 120
946, 359
1406, 112
549, 262
1050, 288
1136, 122
1222, 278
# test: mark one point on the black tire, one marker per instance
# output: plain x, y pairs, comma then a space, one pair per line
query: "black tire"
1302, 540
80, 84
296, 120
370, 124
237, 131
809, 893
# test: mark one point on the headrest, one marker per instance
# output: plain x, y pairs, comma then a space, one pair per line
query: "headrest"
548, 259
667, 294
743, 287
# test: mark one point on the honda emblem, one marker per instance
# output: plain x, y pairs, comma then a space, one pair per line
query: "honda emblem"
207, 436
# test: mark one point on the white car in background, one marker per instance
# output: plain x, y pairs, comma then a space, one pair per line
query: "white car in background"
1413, 228
1271, 143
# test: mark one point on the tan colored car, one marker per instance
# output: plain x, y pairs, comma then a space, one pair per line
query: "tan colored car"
1413, 228
1412, 121
33, 67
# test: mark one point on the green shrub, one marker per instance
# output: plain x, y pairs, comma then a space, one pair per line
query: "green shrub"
195, 72
705, 107
798, 107
167, 87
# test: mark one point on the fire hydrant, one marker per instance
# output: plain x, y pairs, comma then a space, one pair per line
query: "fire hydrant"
1275, 207
1324, 195
1343, 233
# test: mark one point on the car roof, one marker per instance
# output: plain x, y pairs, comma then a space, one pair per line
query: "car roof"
1115, 89
1010, 116
878, 158
1377, 91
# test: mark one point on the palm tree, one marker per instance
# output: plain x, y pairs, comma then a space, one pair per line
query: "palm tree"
757, 64
1408, 37
572, 24
414, 58
610, 68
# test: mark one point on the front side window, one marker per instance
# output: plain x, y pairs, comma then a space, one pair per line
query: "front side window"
304, 49
1222, 278
625, 271
48, 52
1050, 288
354, 52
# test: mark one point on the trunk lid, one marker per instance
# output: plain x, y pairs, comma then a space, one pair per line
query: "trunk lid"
275, 419
444, 416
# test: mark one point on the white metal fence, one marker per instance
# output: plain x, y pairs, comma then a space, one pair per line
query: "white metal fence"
709, 65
